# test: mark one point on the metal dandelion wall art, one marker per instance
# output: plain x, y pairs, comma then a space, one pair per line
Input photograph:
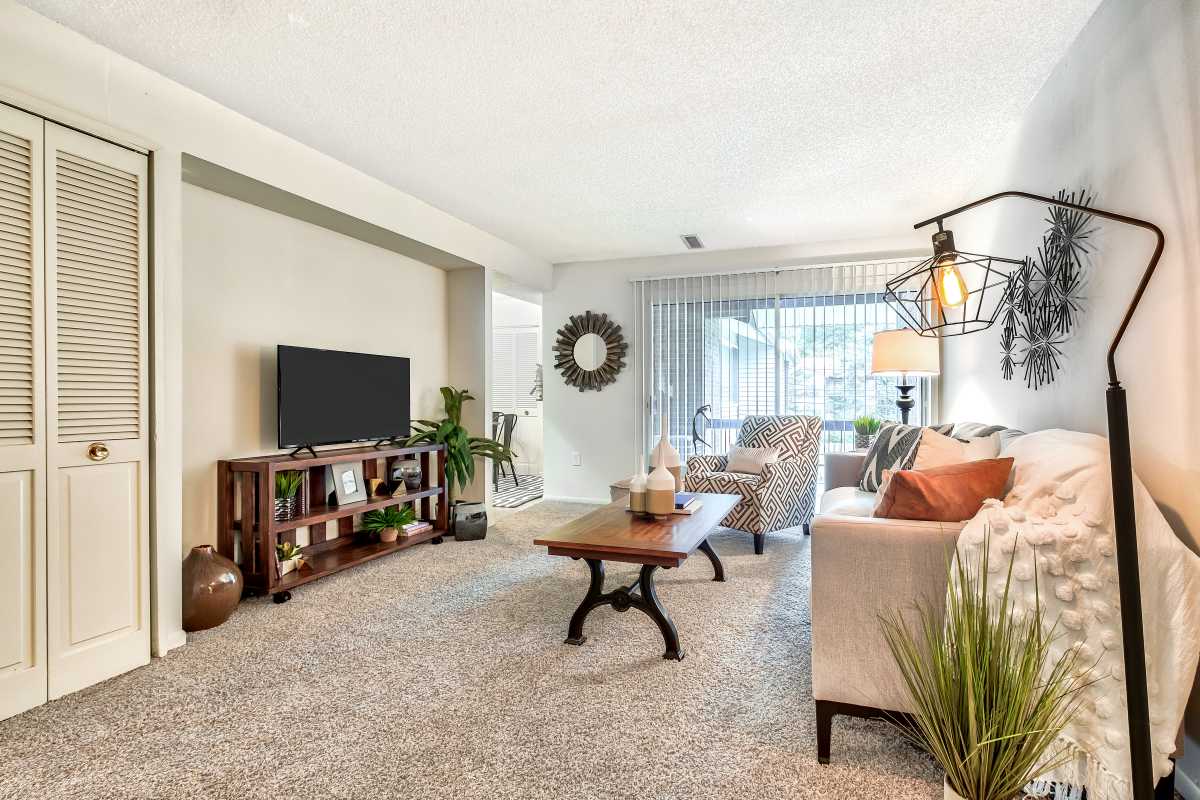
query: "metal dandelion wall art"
1043, 299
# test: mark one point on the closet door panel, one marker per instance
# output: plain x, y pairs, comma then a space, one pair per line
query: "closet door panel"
22, 416
97, 412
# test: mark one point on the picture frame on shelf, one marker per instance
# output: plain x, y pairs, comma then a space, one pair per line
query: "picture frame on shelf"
345, 483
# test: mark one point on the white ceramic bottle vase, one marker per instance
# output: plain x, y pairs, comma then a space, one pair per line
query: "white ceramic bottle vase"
660, 491
669, 455
637, 488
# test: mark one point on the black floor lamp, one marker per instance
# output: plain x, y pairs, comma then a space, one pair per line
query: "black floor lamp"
922, 296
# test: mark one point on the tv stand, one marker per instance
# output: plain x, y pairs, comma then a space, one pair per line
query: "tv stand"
246, 506
301, 449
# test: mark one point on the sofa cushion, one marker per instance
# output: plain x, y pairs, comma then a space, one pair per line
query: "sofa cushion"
893, 448
965, 430
938, 450
848, 501
725, 483
944, 494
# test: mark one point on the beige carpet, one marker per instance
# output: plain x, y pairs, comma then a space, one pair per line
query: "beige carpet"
441, 673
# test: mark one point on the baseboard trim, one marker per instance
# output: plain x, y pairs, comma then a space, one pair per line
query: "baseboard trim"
170, 642
594, 501
1185, 786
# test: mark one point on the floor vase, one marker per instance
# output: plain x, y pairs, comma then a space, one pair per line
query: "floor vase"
212, 588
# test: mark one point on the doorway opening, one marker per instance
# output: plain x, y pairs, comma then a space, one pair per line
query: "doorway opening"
516, 396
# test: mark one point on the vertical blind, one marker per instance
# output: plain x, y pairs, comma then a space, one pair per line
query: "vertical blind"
515, 358
713, 349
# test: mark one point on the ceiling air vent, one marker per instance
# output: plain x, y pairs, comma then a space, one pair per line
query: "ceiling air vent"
692, 242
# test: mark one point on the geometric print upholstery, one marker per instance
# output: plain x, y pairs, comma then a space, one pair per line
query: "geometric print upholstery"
785, 495
793, 435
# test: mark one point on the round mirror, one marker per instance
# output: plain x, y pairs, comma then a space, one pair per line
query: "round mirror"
590, 351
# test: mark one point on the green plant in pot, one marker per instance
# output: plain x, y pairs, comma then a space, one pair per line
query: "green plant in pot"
468, 520
865, 428
387, 522
287, 493
988, 695
289, 557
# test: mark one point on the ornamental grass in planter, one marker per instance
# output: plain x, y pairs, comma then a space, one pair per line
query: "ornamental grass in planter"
989, 697
865, 429
287, 491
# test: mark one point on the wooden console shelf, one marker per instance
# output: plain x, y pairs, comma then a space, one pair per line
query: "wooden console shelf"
246, 523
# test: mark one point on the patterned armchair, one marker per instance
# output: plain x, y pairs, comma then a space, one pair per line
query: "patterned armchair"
784, 495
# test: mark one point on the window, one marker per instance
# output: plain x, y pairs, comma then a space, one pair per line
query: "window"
515, 358
718, 348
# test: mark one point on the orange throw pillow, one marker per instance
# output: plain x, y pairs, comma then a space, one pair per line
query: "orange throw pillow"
953, 493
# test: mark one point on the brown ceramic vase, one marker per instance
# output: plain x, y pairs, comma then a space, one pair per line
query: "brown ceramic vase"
212, 588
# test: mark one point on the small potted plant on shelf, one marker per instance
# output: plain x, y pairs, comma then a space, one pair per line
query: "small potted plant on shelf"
865, 428
289, 558
989, 695
468, 521
287, 491
387, 522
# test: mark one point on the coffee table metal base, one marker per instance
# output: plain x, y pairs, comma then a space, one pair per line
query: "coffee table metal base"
640, 595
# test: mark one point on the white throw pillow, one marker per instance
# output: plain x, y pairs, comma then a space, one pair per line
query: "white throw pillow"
938, 450
751, 460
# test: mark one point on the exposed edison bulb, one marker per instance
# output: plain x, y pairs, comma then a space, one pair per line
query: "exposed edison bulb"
951, 288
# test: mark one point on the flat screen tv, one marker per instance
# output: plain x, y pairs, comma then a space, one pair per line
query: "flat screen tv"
332, 397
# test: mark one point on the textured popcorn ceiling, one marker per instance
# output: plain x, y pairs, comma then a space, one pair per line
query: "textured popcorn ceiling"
582, 130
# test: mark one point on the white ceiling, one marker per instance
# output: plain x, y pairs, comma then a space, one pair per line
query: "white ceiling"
594, 129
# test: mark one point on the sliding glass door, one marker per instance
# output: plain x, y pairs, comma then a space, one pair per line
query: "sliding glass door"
718, 348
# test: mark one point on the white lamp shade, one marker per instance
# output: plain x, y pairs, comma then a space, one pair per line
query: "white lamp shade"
904, 352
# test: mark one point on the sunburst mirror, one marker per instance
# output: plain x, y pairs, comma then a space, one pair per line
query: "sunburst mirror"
590, 351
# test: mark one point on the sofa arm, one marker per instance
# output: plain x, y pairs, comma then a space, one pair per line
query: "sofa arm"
843, 469
864, 567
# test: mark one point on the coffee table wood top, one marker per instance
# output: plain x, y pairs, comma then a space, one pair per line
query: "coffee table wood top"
611, 533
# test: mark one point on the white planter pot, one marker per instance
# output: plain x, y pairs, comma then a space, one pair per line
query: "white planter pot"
948, 793
291, 565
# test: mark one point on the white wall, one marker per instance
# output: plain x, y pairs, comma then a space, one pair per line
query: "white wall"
253, 279
1121, 116
469, 315
48, 69
598, 426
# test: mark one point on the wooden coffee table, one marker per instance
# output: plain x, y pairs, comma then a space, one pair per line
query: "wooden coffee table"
613, 534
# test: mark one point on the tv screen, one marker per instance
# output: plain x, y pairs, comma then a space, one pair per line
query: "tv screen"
329, 397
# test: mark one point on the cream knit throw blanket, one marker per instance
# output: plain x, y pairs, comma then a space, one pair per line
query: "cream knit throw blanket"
1059, 520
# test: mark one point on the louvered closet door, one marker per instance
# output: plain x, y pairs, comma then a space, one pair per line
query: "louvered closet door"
98, 456
22, 417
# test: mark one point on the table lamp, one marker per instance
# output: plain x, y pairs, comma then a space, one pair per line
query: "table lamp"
905, 353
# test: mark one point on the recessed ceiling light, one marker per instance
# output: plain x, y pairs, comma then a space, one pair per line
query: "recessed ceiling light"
692, 241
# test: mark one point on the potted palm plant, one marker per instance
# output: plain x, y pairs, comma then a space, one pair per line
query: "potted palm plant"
990, 699
467, 520
387, 522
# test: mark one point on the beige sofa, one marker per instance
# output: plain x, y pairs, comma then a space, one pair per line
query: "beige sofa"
863, 567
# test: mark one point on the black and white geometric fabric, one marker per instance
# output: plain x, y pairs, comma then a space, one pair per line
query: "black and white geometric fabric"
895, 447
785, 494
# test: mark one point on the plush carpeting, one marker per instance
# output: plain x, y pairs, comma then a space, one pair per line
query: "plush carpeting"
441, 673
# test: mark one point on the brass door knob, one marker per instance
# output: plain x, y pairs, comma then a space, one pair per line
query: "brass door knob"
97, 451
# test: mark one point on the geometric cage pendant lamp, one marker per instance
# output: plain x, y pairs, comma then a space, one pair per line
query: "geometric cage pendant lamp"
953, 293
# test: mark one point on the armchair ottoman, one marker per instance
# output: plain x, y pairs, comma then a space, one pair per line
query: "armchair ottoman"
784, 495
